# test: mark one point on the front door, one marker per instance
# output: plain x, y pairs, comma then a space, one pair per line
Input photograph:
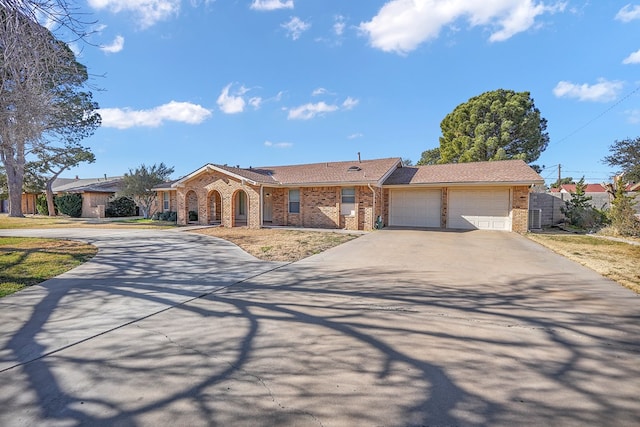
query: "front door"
267, 208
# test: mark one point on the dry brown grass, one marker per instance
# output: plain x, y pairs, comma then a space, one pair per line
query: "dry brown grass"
277, 244
616, 260
40, 221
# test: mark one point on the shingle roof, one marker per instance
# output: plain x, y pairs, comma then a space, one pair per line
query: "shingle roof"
504, 171
253, 174
349, 172
326, 173
164, 185
96, 185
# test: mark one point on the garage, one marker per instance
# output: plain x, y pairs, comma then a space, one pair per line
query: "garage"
415, 208
483, 209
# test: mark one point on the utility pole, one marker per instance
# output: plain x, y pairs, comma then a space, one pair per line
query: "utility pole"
559, 176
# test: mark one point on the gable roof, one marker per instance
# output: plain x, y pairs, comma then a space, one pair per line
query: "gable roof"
326, 173
510, 172
87, 185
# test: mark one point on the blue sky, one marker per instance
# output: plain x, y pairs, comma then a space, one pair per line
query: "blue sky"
271, 82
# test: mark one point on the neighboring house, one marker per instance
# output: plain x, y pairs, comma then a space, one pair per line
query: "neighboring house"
548, 206
600, 197
28, 204
96, 192
352, 195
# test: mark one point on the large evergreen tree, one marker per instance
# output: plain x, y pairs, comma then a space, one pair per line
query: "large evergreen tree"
497, 125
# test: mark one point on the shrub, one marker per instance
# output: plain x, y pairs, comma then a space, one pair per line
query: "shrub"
121, 206
170, 216
579, 213
166, 216
622, 213
69, 204
41, 205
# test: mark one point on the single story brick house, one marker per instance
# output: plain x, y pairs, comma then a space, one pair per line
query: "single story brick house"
96, 193
354, 195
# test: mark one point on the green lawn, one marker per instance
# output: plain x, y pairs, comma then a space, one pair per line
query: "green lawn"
27, 261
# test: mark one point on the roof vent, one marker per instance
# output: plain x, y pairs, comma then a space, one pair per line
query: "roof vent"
354, 169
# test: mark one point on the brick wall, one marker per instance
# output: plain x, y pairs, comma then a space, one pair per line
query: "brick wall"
320, 207
385, 206
520, 209
366, 211
93, 204
444, 208
279, 205
201, 193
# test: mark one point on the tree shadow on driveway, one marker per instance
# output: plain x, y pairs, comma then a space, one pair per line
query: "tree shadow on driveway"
304, 344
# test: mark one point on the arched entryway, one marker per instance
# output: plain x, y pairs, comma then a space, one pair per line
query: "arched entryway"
240, 208
214, 207
191, 207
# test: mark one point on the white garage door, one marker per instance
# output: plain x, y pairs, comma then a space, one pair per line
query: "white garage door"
415, 208
484, 209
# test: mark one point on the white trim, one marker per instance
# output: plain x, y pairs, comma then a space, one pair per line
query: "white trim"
208, 167
462, 184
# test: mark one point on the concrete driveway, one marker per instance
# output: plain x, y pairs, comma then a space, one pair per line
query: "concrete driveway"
395, 328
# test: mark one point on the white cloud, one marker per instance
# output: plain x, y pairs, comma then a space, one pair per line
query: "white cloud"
271, 4
124, 118
295, 27
231, 104
339, 25
319, 91
402, 25
278, 144
633, 116
149, 12
309, 111
355, 135
628, 13
116, 45
633, 58
603, 91
350, 103
233, 101
255, 102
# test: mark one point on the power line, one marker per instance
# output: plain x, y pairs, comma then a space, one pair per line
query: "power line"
620, 101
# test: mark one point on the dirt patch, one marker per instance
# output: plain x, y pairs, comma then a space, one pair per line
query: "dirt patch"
277, 244
616, 260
